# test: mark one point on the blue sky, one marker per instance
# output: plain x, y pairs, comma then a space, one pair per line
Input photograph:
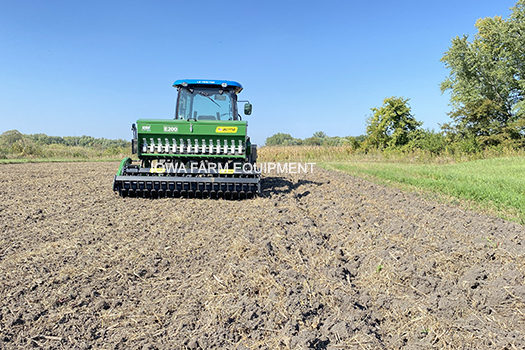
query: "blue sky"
94, 67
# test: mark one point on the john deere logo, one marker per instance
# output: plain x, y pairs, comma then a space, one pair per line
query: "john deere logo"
226, 129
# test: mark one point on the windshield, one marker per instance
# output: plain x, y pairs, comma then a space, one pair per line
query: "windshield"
206, 104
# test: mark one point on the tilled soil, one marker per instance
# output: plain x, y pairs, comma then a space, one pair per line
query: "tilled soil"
320, 261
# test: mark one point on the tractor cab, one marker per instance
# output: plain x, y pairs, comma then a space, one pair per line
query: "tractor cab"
200, 100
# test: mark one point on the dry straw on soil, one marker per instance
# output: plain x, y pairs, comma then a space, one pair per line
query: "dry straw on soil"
321, 261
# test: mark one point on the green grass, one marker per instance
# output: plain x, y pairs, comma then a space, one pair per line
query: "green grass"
494, 185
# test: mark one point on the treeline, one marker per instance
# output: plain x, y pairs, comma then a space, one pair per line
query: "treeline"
82, 141
318, 139
487, 96
14, 144
393, 127
419, 140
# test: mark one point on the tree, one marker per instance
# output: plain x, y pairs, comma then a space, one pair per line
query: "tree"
318, 139
392, 124
486, 78
8, 138
427, 140
312, 141
279, 139
320, 135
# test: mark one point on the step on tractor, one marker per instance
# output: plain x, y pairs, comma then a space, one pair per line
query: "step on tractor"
204, 152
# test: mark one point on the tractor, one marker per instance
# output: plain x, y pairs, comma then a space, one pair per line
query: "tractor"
204, 152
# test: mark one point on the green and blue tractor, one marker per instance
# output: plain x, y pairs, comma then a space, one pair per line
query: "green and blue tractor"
204, 152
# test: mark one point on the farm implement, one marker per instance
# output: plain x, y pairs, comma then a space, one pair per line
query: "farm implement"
203, 152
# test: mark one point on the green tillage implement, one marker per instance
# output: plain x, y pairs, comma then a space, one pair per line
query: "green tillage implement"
204, 152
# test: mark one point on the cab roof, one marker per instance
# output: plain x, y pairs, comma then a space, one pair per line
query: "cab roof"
209, 83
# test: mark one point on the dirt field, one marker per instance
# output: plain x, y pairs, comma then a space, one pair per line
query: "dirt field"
321, 261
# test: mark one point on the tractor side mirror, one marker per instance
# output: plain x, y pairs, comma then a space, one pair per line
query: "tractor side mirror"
134, 140
248, 108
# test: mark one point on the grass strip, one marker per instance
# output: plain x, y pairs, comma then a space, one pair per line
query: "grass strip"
496, 185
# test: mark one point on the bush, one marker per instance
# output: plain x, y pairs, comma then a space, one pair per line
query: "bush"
14, 144
8, 138
25, 147
427, 140
312, 141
